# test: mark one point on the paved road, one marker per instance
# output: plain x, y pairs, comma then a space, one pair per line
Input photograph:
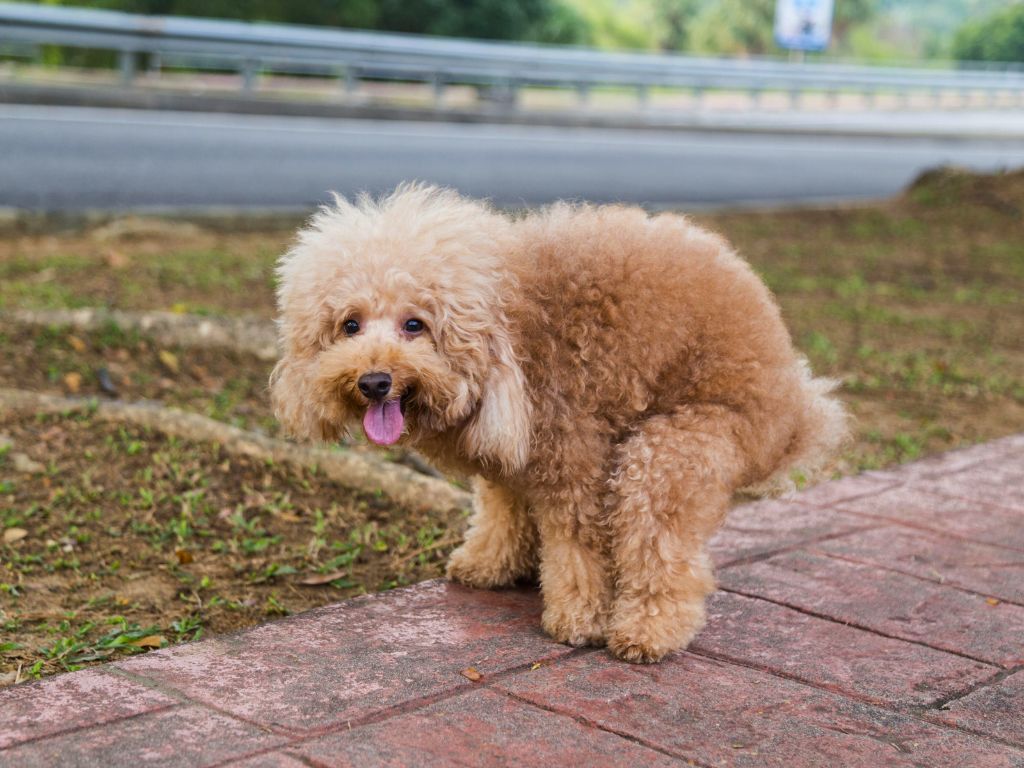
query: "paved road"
66, 158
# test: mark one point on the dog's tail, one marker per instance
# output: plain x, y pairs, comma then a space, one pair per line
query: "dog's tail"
823, 429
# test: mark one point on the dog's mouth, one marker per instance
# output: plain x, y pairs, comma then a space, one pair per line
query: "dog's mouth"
385, 419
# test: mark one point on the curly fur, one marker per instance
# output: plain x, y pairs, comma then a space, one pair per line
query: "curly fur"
610, 377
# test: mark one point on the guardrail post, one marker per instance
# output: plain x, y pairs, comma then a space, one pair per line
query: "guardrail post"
583, 94
249, 71
439, 87
351, 81
126, 60
642, 96
155, 65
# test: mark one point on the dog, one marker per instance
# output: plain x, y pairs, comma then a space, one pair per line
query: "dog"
608, 377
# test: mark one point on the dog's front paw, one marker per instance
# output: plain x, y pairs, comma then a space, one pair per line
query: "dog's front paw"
635, 650
574, 625
467, 567
641, 635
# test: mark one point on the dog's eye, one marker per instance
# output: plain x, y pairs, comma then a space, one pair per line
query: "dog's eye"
351, 327
414, 325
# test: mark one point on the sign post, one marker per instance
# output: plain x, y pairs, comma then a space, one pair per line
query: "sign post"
803, 25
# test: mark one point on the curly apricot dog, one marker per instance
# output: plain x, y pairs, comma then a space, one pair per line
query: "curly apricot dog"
610, 378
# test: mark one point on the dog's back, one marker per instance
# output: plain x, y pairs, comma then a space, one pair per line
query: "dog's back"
622, 316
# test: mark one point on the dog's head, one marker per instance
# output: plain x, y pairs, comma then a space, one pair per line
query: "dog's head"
392, 318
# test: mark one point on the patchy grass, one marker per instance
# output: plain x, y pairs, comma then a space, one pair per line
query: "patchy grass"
117, 540
126, 540
917, 306
220, 383
142, 265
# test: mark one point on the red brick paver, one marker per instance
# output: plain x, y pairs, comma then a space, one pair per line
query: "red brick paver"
859, 664
994, 710
876, 620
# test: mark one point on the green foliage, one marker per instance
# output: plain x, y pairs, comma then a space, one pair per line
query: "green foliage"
616, 25
927, 27
672, 20
998, 37
734, 27
541, 20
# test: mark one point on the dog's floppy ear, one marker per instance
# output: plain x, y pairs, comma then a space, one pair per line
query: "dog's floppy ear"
290, 394
499, 430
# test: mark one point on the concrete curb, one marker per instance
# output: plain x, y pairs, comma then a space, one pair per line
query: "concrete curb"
361, 472
251, 335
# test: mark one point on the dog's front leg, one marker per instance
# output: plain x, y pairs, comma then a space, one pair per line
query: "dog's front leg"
501, 543
575, 575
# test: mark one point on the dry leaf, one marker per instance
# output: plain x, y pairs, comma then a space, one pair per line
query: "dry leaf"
73, 381
184, 556
991, 601
149, 641
535, 666
117, 260
323, 578
12, 535
76, 343
169, 360
471, 673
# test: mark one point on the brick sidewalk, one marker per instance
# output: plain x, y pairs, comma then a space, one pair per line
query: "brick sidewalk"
872, 621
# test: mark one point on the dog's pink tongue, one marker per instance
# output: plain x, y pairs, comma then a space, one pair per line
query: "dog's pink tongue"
383, 422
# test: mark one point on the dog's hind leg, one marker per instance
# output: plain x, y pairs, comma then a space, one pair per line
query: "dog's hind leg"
501, 543
670, 488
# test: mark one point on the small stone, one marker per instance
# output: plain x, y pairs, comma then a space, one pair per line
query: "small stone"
12, 535
22, 463
106, 383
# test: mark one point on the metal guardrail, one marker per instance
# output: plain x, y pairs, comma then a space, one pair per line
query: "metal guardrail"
254, 48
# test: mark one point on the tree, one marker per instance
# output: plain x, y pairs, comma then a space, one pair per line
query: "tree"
543, 20
735, 27
672, 19
999, 37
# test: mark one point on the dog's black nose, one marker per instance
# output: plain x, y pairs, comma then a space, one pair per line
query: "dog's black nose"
375, 385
